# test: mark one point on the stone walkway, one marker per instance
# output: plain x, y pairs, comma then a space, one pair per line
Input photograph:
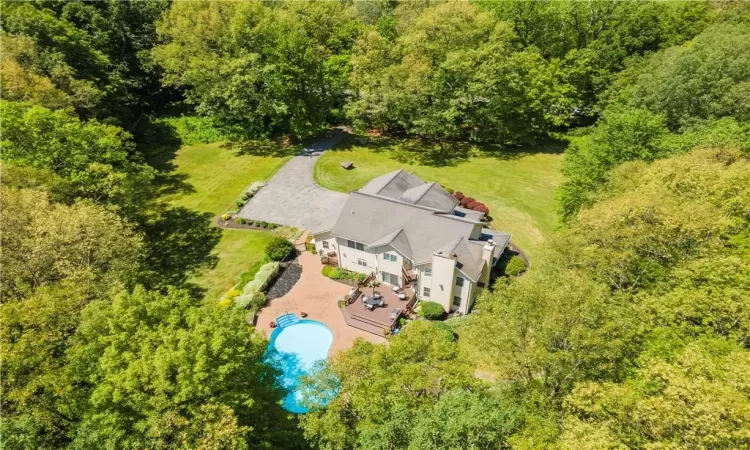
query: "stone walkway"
291, 197
318, 297
285, 282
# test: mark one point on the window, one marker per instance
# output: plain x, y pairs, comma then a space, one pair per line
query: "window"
428, 272
362, 262
389, 278
353, 244
389, 257
426, 291
459, 282
325, 244
456, 301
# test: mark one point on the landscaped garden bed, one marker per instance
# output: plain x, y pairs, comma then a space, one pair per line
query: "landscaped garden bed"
250, 291
344, 276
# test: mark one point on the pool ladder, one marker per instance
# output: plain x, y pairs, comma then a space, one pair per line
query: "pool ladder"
286, 320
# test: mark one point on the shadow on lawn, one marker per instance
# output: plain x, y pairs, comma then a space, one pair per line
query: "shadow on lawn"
159, 143
179, 244
445, 153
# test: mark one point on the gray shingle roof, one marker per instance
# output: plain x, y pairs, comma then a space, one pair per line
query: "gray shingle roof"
415, 218
392, 184
373, 219
430, 195
469, 257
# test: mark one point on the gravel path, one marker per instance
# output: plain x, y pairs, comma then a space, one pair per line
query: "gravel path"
291, 197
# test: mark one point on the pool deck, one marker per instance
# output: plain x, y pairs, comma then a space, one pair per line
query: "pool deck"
318, 297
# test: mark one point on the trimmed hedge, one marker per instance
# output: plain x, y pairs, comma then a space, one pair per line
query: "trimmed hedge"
279, 249
431, 310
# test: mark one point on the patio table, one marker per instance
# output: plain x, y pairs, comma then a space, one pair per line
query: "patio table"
373, 301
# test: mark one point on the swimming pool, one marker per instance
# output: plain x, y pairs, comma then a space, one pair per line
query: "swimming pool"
295, 346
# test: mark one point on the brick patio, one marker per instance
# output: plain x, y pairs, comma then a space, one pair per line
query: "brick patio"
318, 297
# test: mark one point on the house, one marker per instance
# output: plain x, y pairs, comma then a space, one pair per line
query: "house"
407, 231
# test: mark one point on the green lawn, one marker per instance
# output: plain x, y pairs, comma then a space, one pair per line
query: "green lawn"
518, 188
218, 177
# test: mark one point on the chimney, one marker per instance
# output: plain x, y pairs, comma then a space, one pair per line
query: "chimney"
488, 252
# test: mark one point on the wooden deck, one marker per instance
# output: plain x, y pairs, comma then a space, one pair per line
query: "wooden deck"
378, 320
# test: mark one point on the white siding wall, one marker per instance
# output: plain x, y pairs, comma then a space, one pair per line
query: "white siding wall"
330, 240
423, 281
348, 258
443, 280
464, 292
392, 267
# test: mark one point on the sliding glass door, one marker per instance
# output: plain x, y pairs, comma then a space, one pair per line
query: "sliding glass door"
390, 278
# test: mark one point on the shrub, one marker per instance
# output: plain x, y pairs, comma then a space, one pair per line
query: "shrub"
247, 196
261, 224
198, 129
482, 208
253, 300
471, 205
279, 249
239, 220
515, 267
254, 188
240, 203
225, 302
226, 217
262, 279
272, 226
466, 200
331, 272
249, 274
233, 293
459, 195
431, 310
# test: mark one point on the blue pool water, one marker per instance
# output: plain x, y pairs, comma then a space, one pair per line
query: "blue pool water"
295, 346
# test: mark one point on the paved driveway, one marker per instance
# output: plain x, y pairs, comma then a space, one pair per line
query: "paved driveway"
291, 197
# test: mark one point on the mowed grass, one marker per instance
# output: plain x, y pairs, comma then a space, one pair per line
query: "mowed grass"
519, 188
217, 177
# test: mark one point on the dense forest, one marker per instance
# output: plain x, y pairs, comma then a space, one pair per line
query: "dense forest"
631, 330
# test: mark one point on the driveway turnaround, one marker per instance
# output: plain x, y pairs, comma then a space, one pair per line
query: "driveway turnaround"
291, 197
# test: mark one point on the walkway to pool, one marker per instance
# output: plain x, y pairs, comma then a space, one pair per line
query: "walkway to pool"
318, 297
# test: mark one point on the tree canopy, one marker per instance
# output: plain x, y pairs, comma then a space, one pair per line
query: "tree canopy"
631, 329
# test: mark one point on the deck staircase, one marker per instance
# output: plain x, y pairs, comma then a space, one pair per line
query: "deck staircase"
286, 320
